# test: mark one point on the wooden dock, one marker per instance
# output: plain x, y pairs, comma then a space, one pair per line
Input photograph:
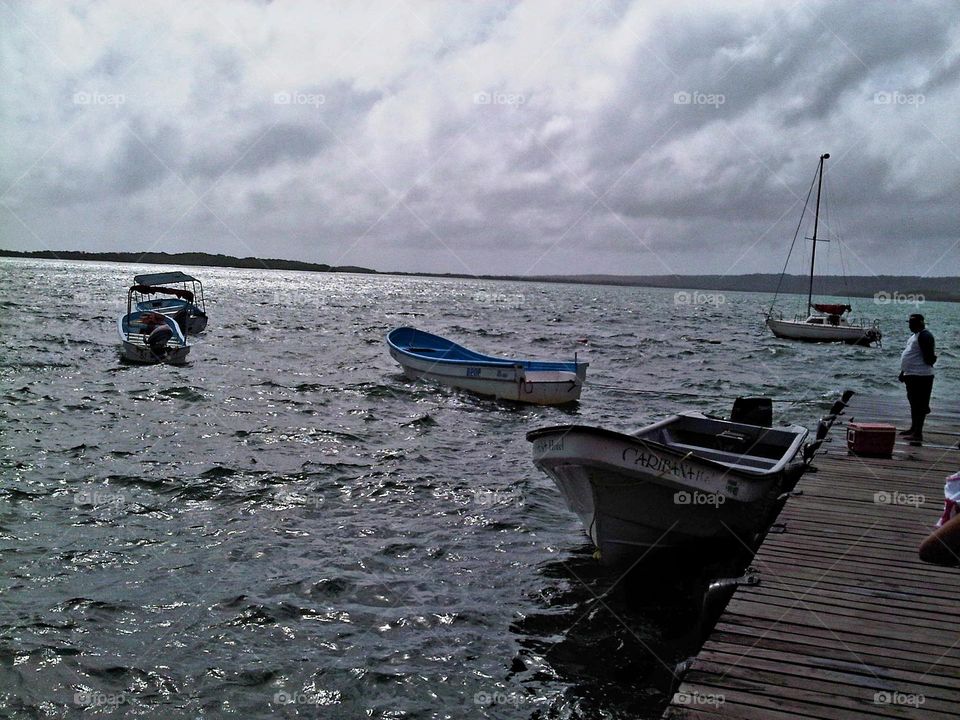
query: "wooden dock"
846, 621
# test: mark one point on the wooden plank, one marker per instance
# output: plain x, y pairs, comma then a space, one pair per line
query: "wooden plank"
851, 640
841, 556
827, 525
801, 700
834, 565
873, 675
847, 604
843, 690
731, 710
879, 586
857, 593
745, 637
801, 614
829, 558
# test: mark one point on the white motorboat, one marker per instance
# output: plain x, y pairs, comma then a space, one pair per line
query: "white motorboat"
686, 480
184, 302
150, 337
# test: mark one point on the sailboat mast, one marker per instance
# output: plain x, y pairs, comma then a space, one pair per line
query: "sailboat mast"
816, 222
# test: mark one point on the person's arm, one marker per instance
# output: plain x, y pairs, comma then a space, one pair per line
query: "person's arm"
926, 342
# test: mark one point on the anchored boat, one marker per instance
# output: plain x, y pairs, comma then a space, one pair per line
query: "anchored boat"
824, 322
184, 302
424, 355
149, 337
685, 481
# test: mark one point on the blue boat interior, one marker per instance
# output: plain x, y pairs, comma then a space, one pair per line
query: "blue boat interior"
169, 304
433, 347
135, 324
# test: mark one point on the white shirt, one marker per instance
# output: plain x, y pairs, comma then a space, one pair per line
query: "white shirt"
911, 359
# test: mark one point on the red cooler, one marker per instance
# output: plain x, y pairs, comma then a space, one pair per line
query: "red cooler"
871, 439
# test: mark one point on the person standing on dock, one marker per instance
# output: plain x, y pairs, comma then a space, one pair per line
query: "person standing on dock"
916, 372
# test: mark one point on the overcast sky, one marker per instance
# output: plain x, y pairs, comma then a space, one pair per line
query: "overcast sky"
505, 138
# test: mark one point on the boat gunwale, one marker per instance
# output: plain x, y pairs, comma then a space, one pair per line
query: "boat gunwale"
788, 456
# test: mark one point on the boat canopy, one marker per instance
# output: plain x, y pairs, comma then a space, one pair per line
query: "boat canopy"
832, 308
150, 290
163, 278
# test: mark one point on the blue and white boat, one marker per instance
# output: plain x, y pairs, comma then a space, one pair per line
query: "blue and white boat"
185, 302
150, 337
423, 355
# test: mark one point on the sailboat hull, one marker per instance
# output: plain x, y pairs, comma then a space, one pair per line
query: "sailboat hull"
812, 332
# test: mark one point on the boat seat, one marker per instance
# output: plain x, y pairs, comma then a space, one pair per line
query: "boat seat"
141, 339
717, 454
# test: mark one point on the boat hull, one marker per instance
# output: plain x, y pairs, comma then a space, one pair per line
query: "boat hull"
503, 383
809, 332
635, 497
144, 355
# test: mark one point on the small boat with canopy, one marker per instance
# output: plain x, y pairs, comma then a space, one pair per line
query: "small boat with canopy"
182, 298
150, 337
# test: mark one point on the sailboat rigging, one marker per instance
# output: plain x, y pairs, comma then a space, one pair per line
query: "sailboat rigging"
825, 322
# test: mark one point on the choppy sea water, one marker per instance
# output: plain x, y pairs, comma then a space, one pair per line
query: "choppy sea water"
286, 527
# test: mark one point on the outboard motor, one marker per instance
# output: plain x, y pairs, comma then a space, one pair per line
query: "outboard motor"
753, 411
158, 339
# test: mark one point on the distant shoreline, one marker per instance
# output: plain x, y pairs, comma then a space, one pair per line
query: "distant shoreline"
943, 289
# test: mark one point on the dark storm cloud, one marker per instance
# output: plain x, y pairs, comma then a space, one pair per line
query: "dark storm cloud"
260, 148
529, 134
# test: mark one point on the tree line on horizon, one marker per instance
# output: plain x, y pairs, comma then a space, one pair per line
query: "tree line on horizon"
879, 286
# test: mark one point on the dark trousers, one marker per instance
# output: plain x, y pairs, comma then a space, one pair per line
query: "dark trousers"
919, 388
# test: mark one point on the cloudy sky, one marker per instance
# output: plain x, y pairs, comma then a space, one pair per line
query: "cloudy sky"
505, 138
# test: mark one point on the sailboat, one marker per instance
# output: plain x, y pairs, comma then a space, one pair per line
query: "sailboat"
825, 322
